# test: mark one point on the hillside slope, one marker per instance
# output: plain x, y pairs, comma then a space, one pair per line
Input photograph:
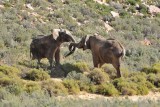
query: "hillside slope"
129, 21
135, 23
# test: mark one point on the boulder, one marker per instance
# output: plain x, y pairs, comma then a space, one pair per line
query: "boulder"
114, 14
29, 6
153, 9
108, 27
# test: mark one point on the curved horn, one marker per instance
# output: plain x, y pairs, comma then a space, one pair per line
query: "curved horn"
72, 39
72, 48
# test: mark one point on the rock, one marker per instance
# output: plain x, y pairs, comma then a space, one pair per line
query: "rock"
146, 42
153, 9
101, 2
29, 6
114, 14
108, 27
1, 6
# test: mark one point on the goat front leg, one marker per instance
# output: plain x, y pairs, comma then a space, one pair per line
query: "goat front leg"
95, 60
57, 57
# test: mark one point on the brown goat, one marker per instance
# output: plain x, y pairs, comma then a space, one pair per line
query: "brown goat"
103, 51
49, 46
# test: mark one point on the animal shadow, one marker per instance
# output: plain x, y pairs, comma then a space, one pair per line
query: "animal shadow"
33, 64
62, 70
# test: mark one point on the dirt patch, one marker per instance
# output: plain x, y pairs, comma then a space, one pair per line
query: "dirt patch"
87, 96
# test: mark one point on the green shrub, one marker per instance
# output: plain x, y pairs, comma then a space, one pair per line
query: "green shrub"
110, 70
132, 2
154, 79
149, 85
142, 89
132, 9
135, 84
32, 86
13, 85
124, 13
151, 77
107, 89
37, 75
83, 80
137, 77
84, 86
125, 87
5, 81
75, 68
149, 70
54, 87
128, 91
93, 88
10, 71
101, 9
98, 76
2, 75
82, 66
72, 86
16, 89
143, 9
78, 76
156, 66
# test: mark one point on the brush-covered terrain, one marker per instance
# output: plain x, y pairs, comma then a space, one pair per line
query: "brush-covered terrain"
135, 23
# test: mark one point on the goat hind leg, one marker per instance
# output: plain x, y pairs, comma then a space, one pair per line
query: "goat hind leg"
38, 63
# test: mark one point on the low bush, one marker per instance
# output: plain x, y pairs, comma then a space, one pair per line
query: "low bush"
37, 75
151, 77
154, 79
16, 89
5, 81
13, 85
54, 87
78, 76
137, 77
142, 89
110, 70
124, 14
10, 71
83, 80
72, 86
32, 86
107, 89
125, 87
132, 2
155, 68
98, 76
143, 9
93, 88
132, 86
82, 66
128, 91
149, 70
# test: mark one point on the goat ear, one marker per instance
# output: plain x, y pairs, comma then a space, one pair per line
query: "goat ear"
55, 33
86, 39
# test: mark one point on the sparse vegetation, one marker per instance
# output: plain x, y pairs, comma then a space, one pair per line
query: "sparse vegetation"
98, 76
23, 85
37, 75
